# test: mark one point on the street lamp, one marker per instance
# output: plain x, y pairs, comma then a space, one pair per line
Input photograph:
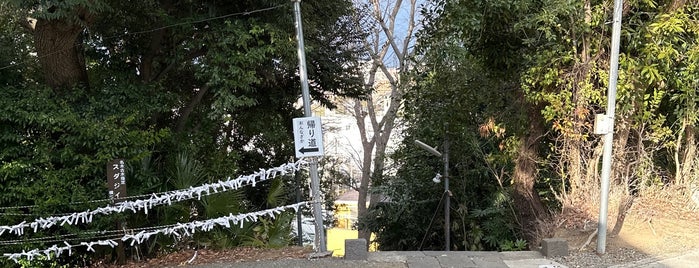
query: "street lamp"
445, 156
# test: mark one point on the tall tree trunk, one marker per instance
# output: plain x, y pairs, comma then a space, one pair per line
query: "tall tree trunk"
364, 192
147, 68
620, 157
689, 162
365, 179
380, 40
621, 174
574, 167
592, 172
375, 176
626, 201
60, 52
529, 208
574, 153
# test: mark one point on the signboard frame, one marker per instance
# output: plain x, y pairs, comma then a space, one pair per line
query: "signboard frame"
116, 179
308, 136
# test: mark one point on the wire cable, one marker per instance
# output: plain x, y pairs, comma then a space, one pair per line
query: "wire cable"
432, 221
178, 230
101, 234
156, 199
244, 13
56, 239
105, 200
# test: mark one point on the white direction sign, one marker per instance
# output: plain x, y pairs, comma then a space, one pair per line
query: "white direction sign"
308, 136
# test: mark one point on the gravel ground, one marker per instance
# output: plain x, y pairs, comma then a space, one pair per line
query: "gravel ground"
589, 258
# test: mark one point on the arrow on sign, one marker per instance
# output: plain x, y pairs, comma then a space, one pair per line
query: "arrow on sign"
308, 136
304, 150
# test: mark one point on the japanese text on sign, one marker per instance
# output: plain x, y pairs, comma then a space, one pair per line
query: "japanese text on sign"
116, 179
308, 136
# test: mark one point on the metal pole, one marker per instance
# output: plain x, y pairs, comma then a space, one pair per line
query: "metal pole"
447, 193
315, 181
609, 137
447, 223
302, 59
317, 207
299, 223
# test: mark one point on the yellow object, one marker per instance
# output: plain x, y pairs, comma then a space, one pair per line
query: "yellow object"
344, 217
336, 240
345, 220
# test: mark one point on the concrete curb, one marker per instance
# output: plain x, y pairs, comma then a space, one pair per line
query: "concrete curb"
472, 259
411, 259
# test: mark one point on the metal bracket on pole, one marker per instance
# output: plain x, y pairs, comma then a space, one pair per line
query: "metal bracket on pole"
603, 124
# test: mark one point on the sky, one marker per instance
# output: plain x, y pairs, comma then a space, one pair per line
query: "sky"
402, 22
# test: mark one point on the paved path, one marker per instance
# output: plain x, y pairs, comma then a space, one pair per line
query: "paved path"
460, 259
682, 260
414, 259
465, 259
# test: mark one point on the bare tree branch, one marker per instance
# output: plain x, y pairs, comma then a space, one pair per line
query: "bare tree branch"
381, 42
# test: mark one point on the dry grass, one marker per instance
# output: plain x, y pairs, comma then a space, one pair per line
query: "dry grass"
582, 211
660, 221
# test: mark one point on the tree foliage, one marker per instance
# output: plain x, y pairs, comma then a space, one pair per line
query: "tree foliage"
569, 76
516, 85
455, 99
186, 92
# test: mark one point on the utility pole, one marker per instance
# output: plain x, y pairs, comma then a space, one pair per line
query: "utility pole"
313, 163
609, 135
447, 193
447, 197
299, 222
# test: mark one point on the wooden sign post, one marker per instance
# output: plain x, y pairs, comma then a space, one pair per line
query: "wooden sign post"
116, 179
116, 183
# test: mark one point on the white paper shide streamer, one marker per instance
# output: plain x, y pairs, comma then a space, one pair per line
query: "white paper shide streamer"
167, 198
156, 199
177, 230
